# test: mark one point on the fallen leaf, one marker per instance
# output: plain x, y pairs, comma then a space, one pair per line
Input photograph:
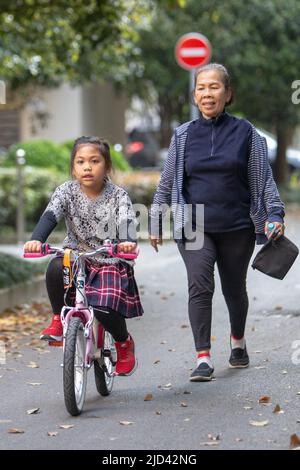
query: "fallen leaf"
15, 431
33, 365
210, 443
66, 426
278, 410
184, 326
258, 423
171, 350
248, 408
52, 433
158, 413
238, 439
164, 297
265, 400
148, 397
284, 372
259, 367
213, 338
156, 362
168, 385
126, 423
278, 307
257, 352
186, 393
184, 405
187, 419
213, 438
298, 393
34, 384
163, 342
294, 441
33, 411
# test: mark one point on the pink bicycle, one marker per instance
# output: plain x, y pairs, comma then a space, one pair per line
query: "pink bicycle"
85, 341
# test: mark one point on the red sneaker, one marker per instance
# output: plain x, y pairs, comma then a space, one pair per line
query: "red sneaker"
54, 332
126, 360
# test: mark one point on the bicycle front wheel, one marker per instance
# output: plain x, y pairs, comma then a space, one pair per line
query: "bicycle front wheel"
75, 372
105, 367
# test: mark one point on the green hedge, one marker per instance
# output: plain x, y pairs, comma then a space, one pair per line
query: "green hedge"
48, 154
38, 187
42, 154
15, 270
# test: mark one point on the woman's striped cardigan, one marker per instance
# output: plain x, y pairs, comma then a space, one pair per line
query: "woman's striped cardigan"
265, 198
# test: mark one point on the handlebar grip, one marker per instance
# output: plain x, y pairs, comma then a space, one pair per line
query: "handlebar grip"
45, 251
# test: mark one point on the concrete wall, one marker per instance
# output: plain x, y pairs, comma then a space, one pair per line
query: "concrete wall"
74, 111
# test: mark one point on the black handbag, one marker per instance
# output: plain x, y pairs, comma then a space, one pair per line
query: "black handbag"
276, 257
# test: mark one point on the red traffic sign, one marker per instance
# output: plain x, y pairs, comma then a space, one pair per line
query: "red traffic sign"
192, 50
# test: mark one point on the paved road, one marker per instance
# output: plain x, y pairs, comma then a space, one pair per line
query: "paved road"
180, 416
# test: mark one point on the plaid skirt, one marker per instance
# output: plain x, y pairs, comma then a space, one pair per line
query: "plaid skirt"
114, 286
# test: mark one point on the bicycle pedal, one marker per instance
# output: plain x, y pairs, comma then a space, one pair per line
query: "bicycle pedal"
56, 343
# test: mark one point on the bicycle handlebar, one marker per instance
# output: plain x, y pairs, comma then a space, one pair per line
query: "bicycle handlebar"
108, 248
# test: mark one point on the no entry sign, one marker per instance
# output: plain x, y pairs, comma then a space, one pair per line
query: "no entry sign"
192, 50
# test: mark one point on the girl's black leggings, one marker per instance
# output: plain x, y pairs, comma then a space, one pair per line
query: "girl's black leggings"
232, 252
111, 320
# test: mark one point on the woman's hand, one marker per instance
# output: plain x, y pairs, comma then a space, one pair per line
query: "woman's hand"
155, 241
33, 246
275, 232
126, 247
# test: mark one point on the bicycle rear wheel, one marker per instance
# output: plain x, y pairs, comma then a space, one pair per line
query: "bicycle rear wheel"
105, 367
75, 373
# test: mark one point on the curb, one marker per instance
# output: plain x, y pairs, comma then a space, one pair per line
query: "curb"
22, 293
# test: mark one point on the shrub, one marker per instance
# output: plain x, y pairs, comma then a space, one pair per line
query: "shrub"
42, 154
39, 184
15, 270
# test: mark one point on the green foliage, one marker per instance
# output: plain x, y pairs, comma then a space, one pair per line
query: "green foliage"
257, 41
45, 43
119, 161
15, 270
39, 185
42, 154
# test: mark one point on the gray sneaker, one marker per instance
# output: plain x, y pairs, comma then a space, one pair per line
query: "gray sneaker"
203, 373
239, 358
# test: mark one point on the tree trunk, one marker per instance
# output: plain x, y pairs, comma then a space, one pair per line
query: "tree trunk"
280, 167
165, 113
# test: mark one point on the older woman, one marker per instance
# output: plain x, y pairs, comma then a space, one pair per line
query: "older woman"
221, 162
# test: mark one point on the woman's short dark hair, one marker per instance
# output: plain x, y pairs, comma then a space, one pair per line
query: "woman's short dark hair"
102, 145
225, 77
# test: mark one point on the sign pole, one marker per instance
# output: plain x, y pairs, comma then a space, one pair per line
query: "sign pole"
191, 51
194, 111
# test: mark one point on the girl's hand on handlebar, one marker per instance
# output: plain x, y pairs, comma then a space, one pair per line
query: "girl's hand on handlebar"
126, 247
155, 241
33, 246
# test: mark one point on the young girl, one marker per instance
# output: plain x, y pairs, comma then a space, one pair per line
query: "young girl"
94, 209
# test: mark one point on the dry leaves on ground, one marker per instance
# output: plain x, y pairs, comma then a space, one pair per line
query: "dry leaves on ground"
66, 426
259, 423
126, 423
22, 321
15, 431
294, 442
33, 411
148, 397
265, 400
